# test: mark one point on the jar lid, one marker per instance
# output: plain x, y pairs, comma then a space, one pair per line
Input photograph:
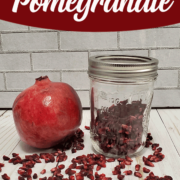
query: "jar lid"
122, 66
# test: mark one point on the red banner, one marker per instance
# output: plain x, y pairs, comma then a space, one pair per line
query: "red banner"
91, 15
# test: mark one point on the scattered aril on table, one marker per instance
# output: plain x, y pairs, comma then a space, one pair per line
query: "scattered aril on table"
84, 164
137, 167
128, 172
87, 127
43, 171
137, 174
145, 170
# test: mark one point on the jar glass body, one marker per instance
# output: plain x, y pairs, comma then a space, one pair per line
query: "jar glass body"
120, 112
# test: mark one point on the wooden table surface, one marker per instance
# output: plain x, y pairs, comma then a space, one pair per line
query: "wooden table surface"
164, 127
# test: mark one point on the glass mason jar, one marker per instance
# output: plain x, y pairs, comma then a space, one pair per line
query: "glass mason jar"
121, 94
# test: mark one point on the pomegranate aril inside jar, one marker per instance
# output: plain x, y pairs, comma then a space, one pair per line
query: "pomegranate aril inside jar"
121, 96
119, 131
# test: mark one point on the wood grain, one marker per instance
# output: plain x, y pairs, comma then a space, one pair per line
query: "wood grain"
10, 142
171, 120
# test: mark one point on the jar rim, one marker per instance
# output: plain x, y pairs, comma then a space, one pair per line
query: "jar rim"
122, 66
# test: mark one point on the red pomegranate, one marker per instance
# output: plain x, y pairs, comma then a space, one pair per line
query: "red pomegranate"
46, 113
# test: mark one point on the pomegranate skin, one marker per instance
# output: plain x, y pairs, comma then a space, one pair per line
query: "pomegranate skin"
46, 113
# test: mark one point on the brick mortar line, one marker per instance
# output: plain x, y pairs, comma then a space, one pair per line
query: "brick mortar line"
151, 48
4, 76
20, 90
43, 51
169, 68
167, 88
118, 40
70, 70
179, 78
31, 62
27, 31
59, 40
170, 27
60, 76
1, 48
77, 89
73, 70
56, 71
86, 50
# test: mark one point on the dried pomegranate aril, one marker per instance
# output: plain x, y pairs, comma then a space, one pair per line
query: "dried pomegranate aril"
1, 165
152, 158
29, 172
144, 159
168, 178
120, 159
154, 146
43, 171
5, 158
148, 163
72, 166
35, 176
50, 178
79, 176
14, 154
70, 171
137, 167
127, 163
20, 178
71, 178
128, 172
61, 166
128, 159
87, 127
151, 174
159, 149
145, 170
97, 175
73, 150
98, 168
23, 173
137, 174
90, 177
79, 167
122, 165
53, 169
110, 160
44, 178
5, 177
120, 177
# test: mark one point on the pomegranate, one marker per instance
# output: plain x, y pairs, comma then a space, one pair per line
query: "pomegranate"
47, 113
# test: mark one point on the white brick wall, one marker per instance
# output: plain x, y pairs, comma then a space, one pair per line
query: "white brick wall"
161, 37
29, 41
78, 80
28, 52
87, 40
20, 81
15, 62
60, 61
